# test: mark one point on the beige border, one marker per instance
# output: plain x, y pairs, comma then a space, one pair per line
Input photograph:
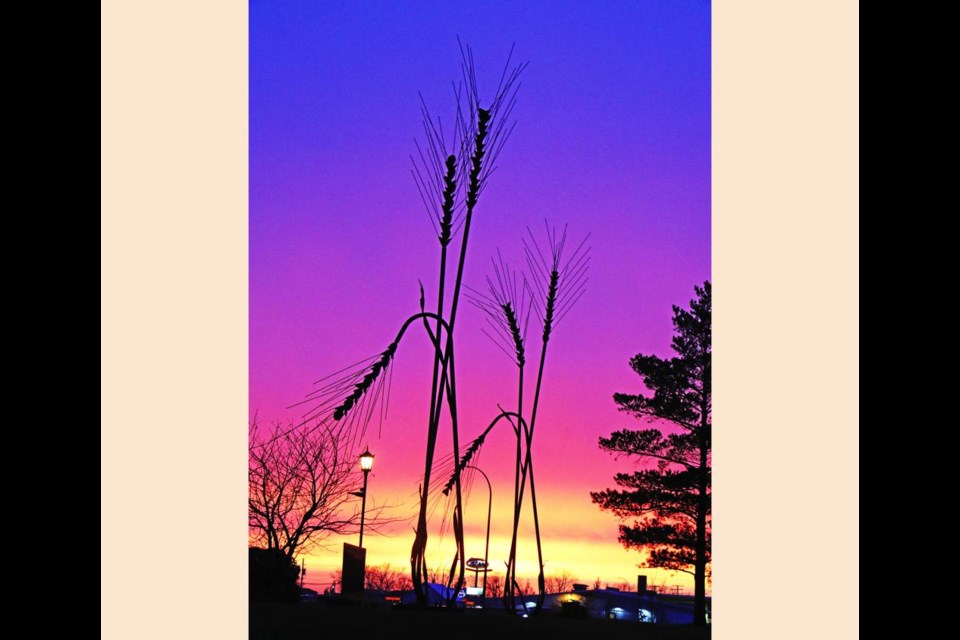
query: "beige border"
173, 304
173, 319
786, 274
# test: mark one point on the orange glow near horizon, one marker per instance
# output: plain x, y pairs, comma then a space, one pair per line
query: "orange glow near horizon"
574, 538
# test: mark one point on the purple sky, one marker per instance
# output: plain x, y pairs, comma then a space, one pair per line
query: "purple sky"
613, 139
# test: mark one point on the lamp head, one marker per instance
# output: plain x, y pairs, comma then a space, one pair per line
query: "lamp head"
366, 460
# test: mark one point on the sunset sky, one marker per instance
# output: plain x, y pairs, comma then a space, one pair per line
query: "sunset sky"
613, 139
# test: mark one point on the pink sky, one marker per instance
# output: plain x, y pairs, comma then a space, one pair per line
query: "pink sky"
613, 139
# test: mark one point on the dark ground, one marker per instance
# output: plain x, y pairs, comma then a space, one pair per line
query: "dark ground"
317, 621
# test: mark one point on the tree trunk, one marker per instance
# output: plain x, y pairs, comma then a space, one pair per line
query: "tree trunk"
700, 589
703, 505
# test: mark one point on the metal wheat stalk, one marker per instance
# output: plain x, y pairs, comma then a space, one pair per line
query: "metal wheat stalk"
559, 284
505, 305
450, 174
482, 133
565, 284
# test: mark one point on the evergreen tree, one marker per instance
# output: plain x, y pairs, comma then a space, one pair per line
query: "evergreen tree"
665, 506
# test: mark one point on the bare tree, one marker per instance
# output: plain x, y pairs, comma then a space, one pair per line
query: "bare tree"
383, 577
561, 582
494, 585
437, 575
625, 585
527, 588
301, 481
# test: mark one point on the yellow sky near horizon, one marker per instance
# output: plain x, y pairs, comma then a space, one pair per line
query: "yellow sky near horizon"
574, 539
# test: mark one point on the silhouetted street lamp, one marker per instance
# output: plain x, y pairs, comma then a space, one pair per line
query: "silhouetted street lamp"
366, 464
486, 549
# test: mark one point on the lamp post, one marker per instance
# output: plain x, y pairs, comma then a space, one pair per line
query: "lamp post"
366, 464
486, 549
